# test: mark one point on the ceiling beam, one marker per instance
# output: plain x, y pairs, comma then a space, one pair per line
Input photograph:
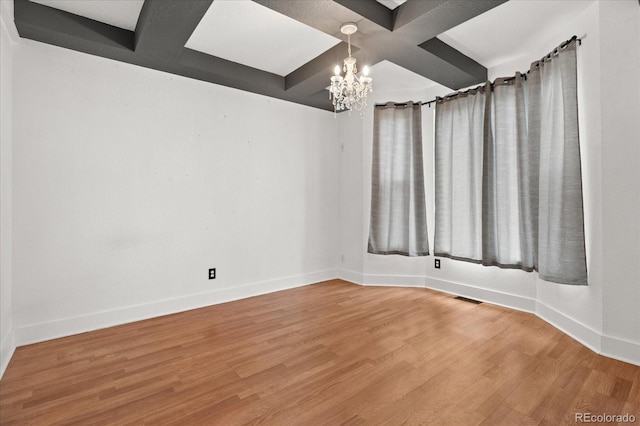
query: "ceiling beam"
53, 26
440, 49
414, 23
322, 64
371, 10
164, 27
409, 11
419, 21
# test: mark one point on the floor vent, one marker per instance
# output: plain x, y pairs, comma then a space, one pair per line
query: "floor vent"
465, 299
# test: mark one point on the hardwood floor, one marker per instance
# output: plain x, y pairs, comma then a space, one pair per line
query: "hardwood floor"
328, 354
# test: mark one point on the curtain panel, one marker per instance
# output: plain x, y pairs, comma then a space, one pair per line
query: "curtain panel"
458, 176
398, 222
508, 177
553, 129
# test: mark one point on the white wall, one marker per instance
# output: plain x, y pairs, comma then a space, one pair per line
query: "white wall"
605, 315
620, 133
351, 194
130, 183
7, 37
577, 309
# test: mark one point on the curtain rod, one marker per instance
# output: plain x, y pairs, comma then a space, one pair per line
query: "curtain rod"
548, 56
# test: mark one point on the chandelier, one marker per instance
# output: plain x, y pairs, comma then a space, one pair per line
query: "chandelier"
350, 91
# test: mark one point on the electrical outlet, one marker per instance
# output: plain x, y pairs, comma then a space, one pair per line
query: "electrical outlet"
436, 263
212, 273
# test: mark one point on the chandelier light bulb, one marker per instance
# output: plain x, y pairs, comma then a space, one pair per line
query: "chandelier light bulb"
365, 71
337, 70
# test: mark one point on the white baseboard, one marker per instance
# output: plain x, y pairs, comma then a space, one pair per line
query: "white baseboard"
351, 276
611, 347
621, 349
7, 348
577, 330
605, 345
69, 326
393, 281
508, 300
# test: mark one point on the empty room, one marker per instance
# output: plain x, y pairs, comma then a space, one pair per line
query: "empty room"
319, 212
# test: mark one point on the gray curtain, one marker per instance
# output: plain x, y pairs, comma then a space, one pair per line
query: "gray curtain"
458, 176
398, 210
507, 211
553, 129
530, 200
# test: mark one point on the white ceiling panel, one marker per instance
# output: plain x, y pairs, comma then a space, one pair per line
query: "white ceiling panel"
119, 13
391, 4
389, 76
517, 26
247, 33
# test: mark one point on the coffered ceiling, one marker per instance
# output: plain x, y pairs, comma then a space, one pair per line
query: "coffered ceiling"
287, 49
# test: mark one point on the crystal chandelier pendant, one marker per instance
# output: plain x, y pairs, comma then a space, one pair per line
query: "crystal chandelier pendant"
350, 92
